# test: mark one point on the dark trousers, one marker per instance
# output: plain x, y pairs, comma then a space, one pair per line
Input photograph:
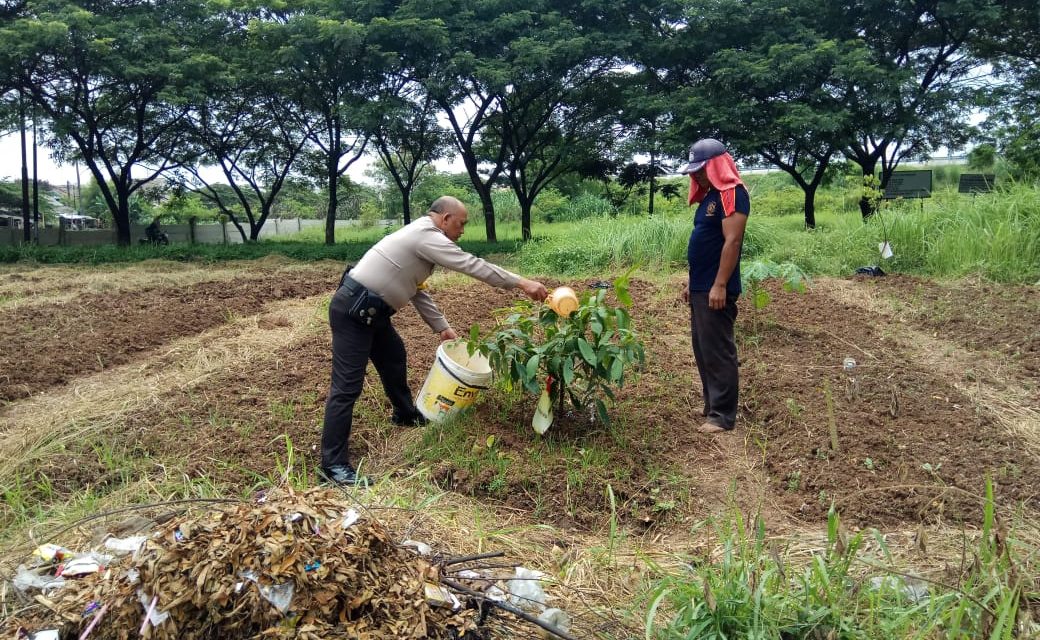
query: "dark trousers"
353, 345
716, 356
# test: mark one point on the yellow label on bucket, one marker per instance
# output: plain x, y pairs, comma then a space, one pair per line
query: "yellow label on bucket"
454, 381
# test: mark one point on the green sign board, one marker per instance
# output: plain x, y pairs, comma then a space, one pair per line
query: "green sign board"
976, 183
909, 184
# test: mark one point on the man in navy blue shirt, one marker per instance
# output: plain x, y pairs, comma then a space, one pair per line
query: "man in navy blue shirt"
714, 280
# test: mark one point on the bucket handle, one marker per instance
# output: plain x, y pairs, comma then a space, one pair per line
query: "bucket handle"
452, 374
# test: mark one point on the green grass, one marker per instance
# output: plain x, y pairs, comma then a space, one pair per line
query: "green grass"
995, 236
751, 589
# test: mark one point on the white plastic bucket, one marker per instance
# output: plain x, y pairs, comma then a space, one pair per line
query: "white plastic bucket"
454, 381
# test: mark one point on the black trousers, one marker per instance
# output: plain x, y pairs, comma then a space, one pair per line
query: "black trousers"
353, 345
716, 356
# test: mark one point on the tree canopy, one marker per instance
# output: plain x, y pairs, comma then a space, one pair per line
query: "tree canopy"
524, 93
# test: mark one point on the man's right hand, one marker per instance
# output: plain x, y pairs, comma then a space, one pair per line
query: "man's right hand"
534, 290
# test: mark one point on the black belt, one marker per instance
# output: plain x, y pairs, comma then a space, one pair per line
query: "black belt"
351, 285
367, 305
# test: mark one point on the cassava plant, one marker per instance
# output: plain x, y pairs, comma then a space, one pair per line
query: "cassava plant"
582, 358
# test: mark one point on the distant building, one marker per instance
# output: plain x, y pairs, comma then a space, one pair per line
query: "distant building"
11, 222
74, 221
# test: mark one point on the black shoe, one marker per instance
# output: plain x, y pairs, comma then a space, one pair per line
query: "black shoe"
415, 420
344, 475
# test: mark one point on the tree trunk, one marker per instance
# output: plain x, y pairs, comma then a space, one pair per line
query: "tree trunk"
653, 182
525, 218
330, 215
866, 208
35, 186
810, 204
489, 211
122, 216
406, 204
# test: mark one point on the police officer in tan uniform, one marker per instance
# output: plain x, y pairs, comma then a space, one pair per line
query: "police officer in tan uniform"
389, 276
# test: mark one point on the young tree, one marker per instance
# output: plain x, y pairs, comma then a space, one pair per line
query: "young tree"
243, 122
408, 139
921, 94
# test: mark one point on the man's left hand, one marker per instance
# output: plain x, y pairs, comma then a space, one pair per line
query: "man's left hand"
449, 334
717, 297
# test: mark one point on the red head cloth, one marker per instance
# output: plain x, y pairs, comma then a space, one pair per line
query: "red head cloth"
723, 175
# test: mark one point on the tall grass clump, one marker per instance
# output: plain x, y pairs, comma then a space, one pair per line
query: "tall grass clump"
599, 244
996, 236
748, 589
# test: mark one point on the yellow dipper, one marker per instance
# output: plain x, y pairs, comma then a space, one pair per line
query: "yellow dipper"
563, 301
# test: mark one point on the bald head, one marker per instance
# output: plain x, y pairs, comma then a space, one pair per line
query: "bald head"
446, 204
449, 215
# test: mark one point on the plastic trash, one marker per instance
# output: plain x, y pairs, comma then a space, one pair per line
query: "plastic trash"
873, 271
849, 365
495, 593
526, 589
153, 617
51, 553
350, 518
47, 634
311, 566
279, 595
557, 618
421, 548
125, 545
25, 579
913, 590
81, 566
438, 596
543, 414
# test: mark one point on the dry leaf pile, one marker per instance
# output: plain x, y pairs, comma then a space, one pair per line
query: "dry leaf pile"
284, 568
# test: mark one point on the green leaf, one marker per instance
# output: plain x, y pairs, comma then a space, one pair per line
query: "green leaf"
568, 372
617, 370
586, 351
761, 299
532, 366
601, 409
621, 290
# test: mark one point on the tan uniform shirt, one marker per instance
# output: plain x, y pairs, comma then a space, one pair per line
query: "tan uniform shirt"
396, 265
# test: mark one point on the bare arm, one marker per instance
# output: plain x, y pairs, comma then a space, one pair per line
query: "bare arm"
733, 232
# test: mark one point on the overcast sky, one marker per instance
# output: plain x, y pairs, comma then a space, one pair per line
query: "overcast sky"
59, 175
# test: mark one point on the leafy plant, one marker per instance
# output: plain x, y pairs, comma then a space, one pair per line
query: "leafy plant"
582, 357
757, 272
753, 276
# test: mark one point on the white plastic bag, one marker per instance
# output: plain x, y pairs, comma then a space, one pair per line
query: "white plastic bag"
526, 589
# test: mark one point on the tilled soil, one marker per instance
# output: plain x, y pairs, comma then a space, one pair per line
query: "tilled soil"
49, 344
911, 447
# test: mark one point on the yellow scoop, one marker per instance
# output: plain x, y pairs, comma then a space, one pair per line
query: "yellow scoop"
563, 301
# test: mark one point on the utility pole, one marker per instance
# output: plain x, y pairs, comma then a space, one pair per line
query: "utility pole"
26, 233
36, 185
79, 190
